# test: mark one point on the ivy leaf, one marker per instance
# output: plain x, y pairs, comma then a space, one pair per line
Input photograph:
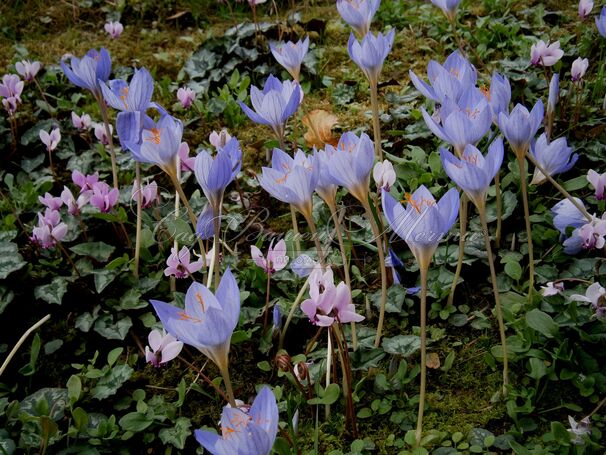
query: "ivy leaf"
404, 345
105, 327
177, 434
109, 384
10, 259
131, 300
103, 278
99, 251
52, 292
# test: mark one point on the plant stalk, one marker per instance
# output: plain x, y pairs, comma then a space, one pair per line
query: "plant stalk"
524, 187
139, 220
499, 200
462, 233
110, 139
291, 313
376, 123
423, 266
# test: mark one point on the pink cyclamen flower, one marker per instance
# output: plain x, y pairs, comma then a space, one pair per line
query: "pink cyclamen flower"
114, 29
82, 122
74, 205
585, 7
100, 132
162, 348
53, 203
552, 289
103, 197
49, 230
186, 97
149, 194
276, 257
10, 104
27, 69
592, 234
179, 265
50, 140
187, 163
218, 140
85, 182
11, 87
598, 182
596, 296
579, 68
545, 55
384, 175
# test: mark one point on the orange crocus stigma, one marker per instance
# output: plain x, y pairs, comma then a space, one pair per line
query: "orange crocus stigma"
154, 136
485, 91
201, 301
123, 95
183, 316
417, 204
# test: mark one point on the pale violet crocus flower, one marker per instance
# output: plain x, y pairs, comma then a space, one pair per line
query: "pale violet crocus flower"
89, 71
81, 122
598, 182
179, 264
579, 68
552, 100
552, 288
149, 193
275, 260
600, 22
134, 96
303, 265
186, 97
350, 164
274, 105
384, 175
499, 95
596, 296
245, 432
585, 7
27, 69
114, 29
448, 7
290, 55
358, 13
370, 53
450, 79
50, 140
542, 54
566, 214
162, 348
472, 171
292, 180
555, 157
520, 126
325, 187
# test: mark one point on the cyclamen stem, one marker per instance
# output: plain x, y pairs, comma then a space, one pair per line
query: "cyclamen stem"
266, 311
350, 415
559, 187
423, 266
69, 258
139, 213
462, 233
499, 200
497, 299
50, 110
291, 313
523, 184
376, 124
379, 241
328, 367
110, 140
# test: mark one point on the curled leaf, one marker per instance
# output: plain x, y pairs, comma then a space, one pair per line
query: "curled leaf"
319, 125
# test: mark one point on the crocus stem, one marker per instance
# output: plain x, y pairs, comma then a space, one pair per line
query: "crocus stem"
110, 140
266, 311
21, 341
295, 229
291, 313
497, 300
455, 34
423, 266
190, 212
523, 184
173, 279
379, 241
559, 187
314, 232
462, 234
376, 124
139, 220
335, 219
217, 243
50, 111
228, 386
499, 200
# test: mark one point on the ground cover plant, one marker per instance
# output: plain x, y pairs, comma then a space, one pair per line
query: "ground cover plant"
287, 227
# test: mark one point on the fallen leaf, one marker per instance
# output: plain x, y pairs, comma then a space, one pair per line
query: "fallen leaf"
319, 125
433, 361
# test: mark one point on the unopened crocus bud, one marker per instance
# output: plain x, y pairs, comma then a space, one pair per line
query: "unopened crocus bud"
162, 348
114, 29
27, 69
51, 140
600, 22
585, 7
384, 175
82, 122
579, 68
101, 134
186, 97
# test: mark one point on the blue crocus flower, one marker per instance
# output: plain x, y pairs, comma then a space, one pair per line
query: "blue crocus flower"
370, 54
135, 96
554, 94
205, 227
159, 143
473, 172
499, 95
600, 22
245, 433
448, 80
90, 70
292, 180
358, 13
554, 157
326, 187
566, 215
520, 126
273, 105
461, 123
350, 162
215, 173
290, 55
424, 222
207, 321
448, 7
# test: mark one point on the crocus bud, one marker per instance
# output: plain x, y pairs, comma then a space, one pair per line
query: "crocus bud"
82, 122
579, 68
585, 7
186, 97
114, 29
384, 175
